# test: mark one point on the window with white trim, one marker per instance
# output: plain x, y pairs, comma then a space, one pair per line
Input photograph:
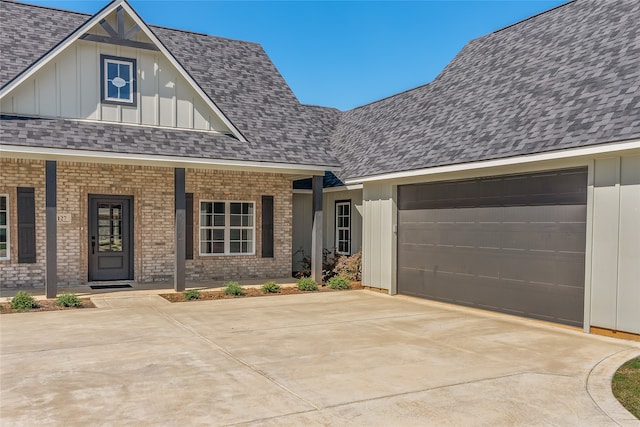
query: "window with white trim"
343, 227
118, 80
4, 226
227, 228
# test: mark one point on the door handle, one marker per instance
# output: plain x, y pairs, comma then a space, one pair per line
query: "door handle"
93, 245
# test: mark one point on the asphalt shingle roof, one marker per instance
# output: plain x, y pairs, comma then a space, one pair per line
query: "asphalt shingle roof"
569, 77
566, 78
238, 76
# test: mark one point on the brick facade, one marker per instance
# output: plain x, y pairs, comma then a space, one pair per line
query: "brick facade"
153, 213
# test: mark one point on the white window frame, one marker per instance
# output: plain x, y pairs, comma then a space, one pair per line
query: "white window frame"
227, 228
6, 226
131, 62
337, 228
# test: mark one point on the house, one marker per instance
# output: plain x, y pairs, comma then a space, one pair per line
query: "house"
510, 183
111, 129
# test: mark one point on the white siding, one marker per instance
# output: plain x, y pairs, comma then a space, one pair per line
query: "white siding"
301, 237
378, 240
615, 269
69, 87
329, 200
302, 205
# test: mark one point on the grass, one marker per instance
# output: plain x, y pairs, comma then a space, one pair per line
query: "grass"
626, 386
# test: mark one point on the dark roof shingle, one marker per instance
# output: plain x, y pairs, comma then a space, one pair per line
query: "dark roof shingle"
566, 78
238, 76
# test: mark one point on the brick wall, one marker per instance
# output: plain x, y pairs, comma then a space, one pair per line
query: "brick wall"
153, 211
23, 173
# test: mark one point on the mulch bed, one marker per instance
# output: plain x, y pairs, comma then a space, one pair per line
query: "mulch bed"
46, 305
249, 293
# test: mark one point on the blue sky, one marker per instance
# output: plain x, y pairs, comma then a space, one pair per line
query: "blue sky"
341, 53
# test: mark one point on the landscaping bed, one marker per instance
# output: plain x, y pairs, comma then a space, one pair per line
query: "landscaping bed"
45, 305
248, 293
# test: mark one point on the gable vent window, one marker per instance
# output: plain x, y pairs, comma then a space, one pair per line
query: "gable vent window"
118, 80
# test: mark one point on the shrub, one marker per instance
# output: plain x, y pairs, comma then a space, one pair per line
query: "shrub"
191, 294
271, 288
339, 282
329, 259
68, 300
233, 288
23, 301
350, 267
307, 284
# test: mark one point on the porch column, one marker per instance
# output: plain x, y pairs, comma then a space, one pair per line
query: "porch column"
51, 279
316, 229
180, 230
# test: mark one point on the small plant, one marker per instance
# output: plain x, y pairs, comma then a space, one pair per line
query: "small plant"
23, 301
271, 288
307, 284
339, 282
350, 266
191, 294
68, 300
233, 288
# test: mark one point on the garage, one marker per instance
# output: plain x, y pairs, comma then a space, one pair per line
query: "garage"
513, 243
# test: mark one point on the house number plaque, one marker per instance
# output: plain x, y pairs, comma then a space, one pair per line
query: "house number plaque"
66, 218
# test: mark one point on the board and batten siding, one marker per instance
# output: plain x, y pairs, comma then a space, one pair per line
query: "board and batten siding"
615, 244
379, 245
302, 215
69, 87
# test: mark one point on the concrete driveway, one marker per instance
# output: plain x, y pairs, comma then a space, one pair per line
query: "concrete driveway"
349, 358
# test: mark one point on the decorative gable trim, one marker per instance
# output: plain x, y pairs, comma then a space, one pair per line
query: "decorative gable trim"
120, 6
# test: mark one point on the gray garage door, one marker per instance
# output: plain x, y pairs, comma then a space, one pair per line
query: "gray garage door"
513, 244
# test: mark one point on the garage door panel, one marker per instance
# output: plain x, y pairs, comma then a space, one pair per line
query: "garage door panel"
497, 252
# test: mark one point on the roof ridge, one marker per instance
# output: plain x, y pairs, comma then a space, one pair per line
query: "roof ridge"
58, 9
532, 17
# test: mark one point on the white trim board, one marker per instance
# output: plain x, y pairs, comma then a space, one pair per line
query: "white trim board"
600, 149
330, 189
95, 20
22, 152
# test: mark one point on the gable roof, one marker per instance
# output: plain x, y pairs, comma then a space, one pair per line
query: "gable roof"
565, 78
237, 75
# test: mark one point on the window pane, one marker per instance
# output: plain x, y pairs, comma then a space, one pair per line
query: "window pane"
206, 207
234, 247
234, 234
125, 92
235, 220
204, 235
218, 235
245, 247
204, 247
218, 248
3, 218
3, 203
235, 208
112, 70
218, 220
219, 207
124, 72
3, 235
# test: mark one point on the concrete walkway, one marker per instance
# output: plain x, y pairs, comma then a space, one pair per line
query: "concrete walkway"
348, 358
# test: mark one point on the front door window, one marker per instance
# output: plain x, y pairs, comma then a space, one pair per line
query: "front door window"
110, 227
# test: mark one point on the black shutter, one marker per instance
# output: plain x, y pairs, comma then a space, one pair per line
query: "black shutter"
267, 226
189, 226
26, 225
